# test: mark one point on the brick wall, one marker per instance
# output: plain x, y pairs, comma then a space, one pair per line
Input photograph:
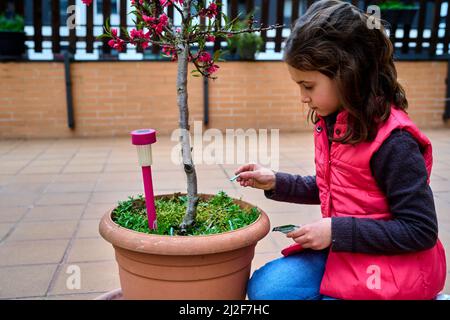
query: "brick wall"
113, 98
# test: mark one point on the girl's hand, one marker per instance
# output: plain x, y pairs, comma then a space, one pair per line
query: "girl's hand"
255, 176
316, 236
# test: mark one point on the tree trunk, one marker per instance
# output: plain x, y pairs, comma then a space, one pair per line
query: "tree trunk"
188, 164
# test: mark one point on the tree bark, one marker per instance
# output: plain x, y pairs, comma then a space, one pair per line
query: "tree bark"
182, 100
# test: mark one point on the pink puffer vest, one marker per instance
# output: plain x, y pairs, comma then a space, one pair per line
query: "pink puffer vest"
347, 188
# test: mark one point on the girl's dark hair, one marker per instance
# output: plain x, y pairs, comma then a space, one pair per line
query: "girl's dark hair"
333, 38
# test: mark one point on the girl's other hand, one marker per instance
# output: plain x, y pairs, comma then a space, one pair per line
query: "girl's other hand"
316, 235
255, 176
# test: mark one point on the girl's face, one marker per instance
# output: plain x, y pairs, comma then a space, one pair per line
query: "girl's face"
317, 90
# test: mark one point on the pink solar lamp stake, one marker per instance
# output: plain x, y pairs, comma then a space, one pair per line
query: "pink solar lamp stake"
143, 140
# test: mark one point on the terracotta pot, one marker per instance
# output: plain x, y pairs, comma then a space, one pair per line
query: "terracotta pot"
184, 267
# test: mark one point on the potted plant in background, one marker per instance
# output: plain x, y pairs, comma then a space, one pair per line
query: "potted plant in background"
398, 12
243, 46
12, 35
202, 245
249, 45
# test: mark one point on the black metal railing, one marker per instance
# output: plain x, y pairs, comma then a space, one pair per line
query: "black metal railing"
429, 39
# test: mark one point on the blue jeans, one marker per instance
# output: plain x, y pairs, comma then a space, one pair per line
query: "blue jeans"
295, 277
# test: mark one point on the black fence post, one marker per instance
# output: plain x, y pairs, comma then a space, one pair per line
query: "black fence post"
447, 96
69, 99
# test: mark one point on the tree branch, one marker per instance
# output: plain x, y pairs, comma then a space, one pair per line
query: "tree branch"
179, 10
248, 30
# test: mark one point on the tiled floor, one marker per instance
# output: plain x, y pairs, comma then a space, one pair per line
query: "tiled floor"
53, 193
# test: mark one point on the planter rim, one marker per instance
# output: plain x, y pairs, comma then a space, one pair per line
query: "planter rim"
184, 245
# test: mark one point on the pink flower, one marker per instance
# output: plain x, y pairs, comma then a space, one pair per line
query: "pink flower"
138, 37
204, 57
171, 52
209, 12
213, 68
148, 19
165, 3
212, 6
137, 33
117, 44
156, 24
210, 38
163, 19
114, 32
87, 2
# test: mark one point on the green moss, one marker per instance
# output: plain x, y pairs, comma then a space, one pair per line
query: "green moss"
217, 215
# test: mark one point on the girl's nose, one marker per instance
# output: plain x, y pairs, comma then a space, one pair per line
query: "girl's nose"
306, 99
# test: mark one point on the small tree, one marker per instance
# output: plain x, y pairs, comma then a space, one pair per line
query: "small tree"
154, 27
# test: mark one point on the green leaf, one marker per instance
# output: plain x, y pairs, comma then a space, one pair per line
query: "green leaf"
107, 25
124, 30
217, 55
226, 19
103, 36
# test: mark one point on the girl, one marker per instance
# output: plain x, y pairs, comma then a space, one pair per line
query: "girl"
378, 236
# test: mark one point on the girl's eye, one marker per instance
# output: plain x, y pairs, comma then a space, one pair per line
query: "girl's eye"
307, 88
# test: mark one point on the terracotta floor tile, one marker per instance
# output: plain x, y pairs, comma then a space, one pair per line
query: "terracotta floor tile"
25, 281
97, 210
112, 198
19, 199
4, 229
41, 169
12, 214
83, 168
34, 178
79, 296
55, 212
26, 187
47, 230
60, 187
63, 198
77, 177
94, 277
32, 252
88, 229
119, 186
93, 249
